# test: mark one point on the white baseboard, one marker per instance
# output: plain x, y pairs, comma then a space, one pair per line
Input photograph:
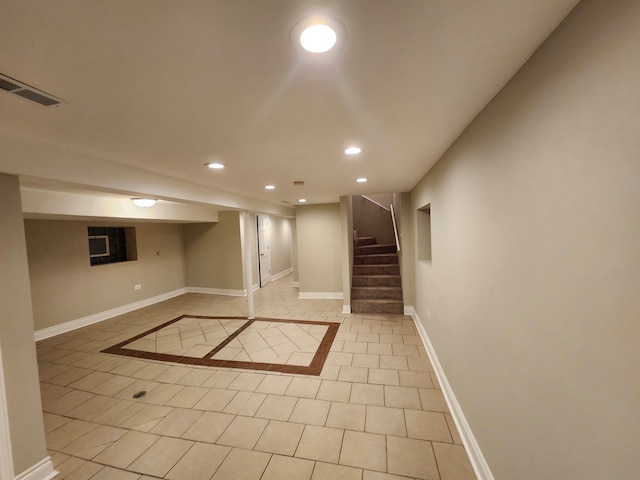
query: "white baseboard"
321, 295
478, 462
114, 312
219, 291
295, 284
281, 274
346, 308
408, 310
43, 470
101, 316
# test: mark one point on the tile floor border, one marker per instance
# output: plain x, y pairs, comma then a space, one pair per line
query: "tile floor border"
314, 368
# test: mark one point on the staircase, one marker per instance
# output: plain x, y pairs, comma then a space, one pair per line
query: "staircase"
376, 285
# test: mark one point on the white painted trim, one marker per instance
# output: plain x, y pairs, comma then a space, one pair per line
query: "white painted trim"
295, 284
408, 310
43, 470
6, 455
346, 308
321, 295
281, 274
101, 316
114, 312
218, 291
478, 462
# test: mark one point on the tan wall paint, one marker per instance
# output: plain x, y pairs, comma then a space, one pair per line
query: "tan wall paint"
404, 214
294, 251
213, 253
253, 242
66, 287
319, 237
534, 284
22, 388
280, 242
346, 220
370, 220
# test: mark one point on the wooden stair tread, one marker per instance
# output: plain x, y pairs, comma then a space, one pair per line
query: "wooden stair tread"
376, 283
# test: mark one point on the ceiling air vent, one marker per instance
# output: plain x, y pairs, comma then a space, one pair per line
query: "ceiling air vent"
12, 85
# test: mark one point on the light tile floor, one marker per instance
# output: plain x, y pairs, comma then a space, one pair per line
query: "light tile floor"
261, 342
374, 413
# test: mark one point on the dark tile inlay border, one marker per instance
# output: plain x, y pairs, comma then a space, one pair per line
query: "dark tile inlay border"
314, 368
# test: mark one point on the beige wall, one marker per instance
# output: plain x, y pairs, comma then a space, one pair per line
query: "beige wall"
404, 214
16, 335
319, 239
253, 245
280, 243
534, 285
66, 287
346, 219
294, 251
370, 220
213, 253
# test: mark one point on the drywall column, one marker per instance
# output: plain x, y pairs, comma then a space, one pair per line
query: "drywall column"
6, 456
247, 264
17, 347
346, 221
407, 252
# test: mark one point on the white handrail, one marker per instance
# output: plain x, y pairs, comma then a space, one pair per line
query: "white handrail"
373, 201
395, 226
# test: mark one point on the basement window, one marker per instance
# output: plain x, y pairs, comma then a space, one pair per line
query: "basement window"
423, 221
111, 245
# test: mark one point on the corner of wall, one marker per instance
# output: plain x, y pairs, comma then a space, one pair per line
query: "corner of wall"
42, 470
478, 462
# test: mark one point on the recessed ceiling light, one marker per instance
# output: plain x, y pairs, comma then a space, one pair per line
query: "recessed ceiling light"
352, 150
215, 165
318, 38
361, 180
270, 187
302, 200
144, 202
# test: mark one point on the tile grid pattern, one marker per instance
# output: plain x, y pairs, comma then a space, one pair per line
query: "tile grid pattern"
287, 346
375, 412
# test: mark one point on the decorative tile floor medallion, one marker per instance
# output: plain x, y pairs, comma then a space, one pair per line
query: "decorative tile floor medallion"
288, 346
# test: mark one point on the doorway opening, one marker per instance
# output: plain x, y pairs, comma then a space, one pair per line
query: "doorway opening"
264, 249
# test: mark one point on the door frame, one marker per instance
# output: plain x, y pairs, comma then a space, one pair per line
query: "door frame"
263, 280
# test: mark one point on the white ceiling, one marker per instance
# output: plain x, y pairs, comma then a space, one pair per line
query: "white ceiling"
165, 86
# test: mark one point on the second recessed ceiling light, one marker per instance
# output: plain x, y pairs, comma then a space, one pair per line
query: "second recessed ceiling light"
352, 150
215, 165
317, 34
318, 38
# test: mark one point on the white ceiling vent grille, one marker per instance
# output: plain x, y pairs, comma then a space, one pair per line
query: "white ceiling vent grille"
12, 85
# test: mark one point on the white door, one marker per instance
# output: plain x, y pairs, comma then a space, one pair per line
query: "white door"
264, 260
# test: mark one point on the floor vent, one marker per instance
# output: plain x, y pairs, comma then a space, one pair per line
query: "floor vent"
12, 85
